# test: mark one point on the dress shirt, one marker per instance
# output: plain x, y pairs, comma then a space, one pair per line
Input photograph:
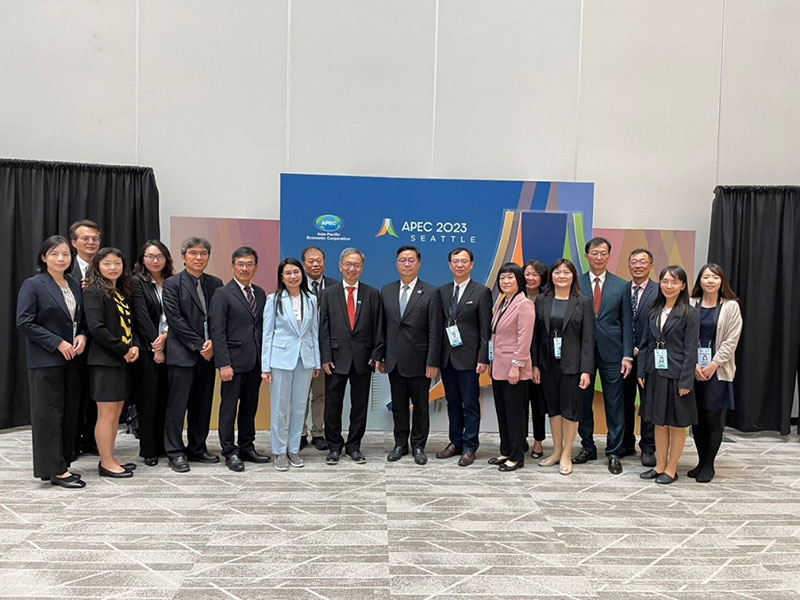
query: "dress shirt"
346, 286
642, 286
601, 277
410, 288
84, 266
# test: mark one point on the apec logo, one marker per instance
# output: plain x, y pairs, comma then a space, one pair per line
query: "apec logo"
328, 223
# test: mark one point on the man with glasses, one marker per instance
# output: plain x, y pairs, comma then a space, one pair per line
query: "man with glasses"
643, 293
467, 312
613, 335
412, 313
186, 298
85, 236
237, 319
350, 346
313, 260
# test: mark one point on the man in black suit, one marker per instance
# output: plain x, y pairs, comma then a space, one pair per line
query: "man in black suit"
190, 349
412, 313
313, 259
643, 293
350, 345
237, 318
467, 311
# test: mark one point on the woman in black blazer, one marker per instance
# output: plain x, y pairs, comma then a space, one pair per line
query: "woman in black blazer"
153, 266
536, 277
563, 357
50, 315
667, 359
108, 315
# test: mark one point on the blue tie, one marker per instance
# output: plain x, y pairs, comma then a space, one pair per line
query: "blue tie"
403, 300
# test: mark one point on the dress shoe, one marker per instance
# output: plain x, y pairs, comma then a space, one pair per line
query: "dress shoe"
396, 453
151, 461
496, 460
333, 457
303, 442
73, 482
319, 443
466, 459
649, 474
536, 453
449, 452
179, 464
254, 457
614, 466
705, 475
103, 472
565, 469
234, 463
205, 457
420, 457
648, 459
666, 478
583, 456
505, 467
627, 452
357, 457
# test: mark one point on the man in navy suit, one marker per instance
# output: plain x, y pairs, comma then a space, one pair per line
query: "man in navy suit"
190, 372
613, 335
237, 318
643, 293
412, 313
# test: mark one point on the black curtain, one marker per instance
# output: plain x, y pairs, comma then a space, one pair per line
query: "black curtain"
755, 237
40, 199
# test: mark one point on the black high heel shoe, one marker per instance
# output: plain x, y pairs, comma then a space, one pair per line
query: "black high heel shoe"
505, 467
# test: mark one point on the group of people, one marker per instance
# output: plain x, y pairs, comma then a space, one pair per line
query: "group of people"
543, 340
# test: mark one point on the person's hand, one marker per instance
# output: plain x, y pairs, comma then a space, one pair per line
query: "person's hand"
698, 373
627, 367
79, 344
635, 352
226, 373
207, 351
132, 354
84, 283
380, 366
513, 375
683, 391
641, 381
431, 372
316, 373
159, 358
481, 368
267, 377
159, 343
328, 367
66, 349
536, 376
710, 369
585, 381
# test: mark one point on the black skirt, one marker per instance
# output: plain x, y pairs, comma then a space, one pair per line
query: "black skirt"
561, 393
663, 406
109, 384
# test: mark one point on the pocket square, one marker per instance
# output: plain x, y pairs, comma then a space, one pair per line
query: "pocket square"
419, 291
470, 302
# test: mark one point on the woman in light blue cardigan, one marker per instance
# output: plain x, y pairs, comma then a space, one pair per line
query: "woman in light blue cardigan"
289, 358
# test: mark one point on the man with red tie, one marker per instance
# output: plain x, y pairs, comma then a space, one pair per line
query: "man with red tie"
350, 344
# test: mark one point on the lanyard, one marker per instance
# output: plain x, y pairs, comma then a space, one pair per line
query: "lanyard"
499, 316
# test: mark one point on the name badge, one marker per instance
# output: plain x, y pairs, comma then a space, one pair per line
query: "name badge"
491, 351
557, 347
661, 358
205, 329
162, 327
454, 336
704, 357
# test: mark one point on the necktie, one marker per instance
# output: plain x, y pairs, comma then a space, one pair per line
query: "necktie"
315, 289
202, 297
635, 306
454, 301
251, 299
598, 296
351, 306
403, 300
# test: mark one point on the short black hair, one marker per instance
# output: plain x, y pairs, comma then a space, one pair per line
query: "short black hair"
519, 274
308, 249
406, 248
596, 241
243, 251
73, 229
641, 251
457, 250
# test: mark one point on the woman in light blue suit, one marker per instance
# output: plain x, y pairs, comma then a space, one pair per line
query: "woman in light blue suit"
289, 358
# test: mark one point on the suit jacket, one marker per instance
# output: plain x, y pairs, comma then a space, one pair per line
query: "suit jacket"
577, 335
185, 316
147, 311
346, 347
326, 283
729, 329
512, 337
413, 341
283, 341
474, 319
646, 299
43, 317
102, 317
613, 327
681, 335
235, 331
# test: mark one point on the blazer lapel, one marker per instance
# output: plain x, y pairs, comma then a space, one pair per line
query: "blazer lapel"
239, 294
469, 291
572, 302
188, 281
340, 300
412, 300
286, 302
547, 307
54, 290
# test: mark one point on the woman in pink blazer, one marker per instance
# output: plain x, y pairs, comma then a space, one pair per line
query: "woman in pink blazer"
510, 353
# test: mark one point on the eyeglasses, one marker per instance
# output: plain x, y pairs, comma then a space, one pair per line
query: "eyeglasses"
293, 273
196, 253
351, 266
670, 283
598, 254
407, 261
154, 257
244, 265
459, 262
89, 238
640, 263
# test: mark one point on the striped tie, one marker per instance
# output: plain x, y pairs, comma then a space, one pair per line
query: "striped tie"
251, 299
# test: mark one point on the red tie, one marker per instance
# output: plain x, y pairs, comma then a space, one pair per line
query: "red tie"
351, 306
598, 296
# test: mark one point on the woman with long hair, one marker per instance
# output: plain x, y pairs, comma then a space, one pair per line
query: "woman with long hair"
107, 298
50, 315
153, 266
720, 328
666, 371
289, 359
536, 280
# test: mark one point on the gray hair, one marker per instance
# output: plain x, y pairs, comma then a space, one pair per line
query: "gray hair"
191, 242
349, 251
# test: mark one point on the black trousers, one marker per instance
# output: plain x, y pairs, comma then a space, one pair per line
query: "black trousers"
415, 390
191, 391
55, 394
87, 410
509, 402
536, 406
239, 396
150, 392
647, 431
334, 404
